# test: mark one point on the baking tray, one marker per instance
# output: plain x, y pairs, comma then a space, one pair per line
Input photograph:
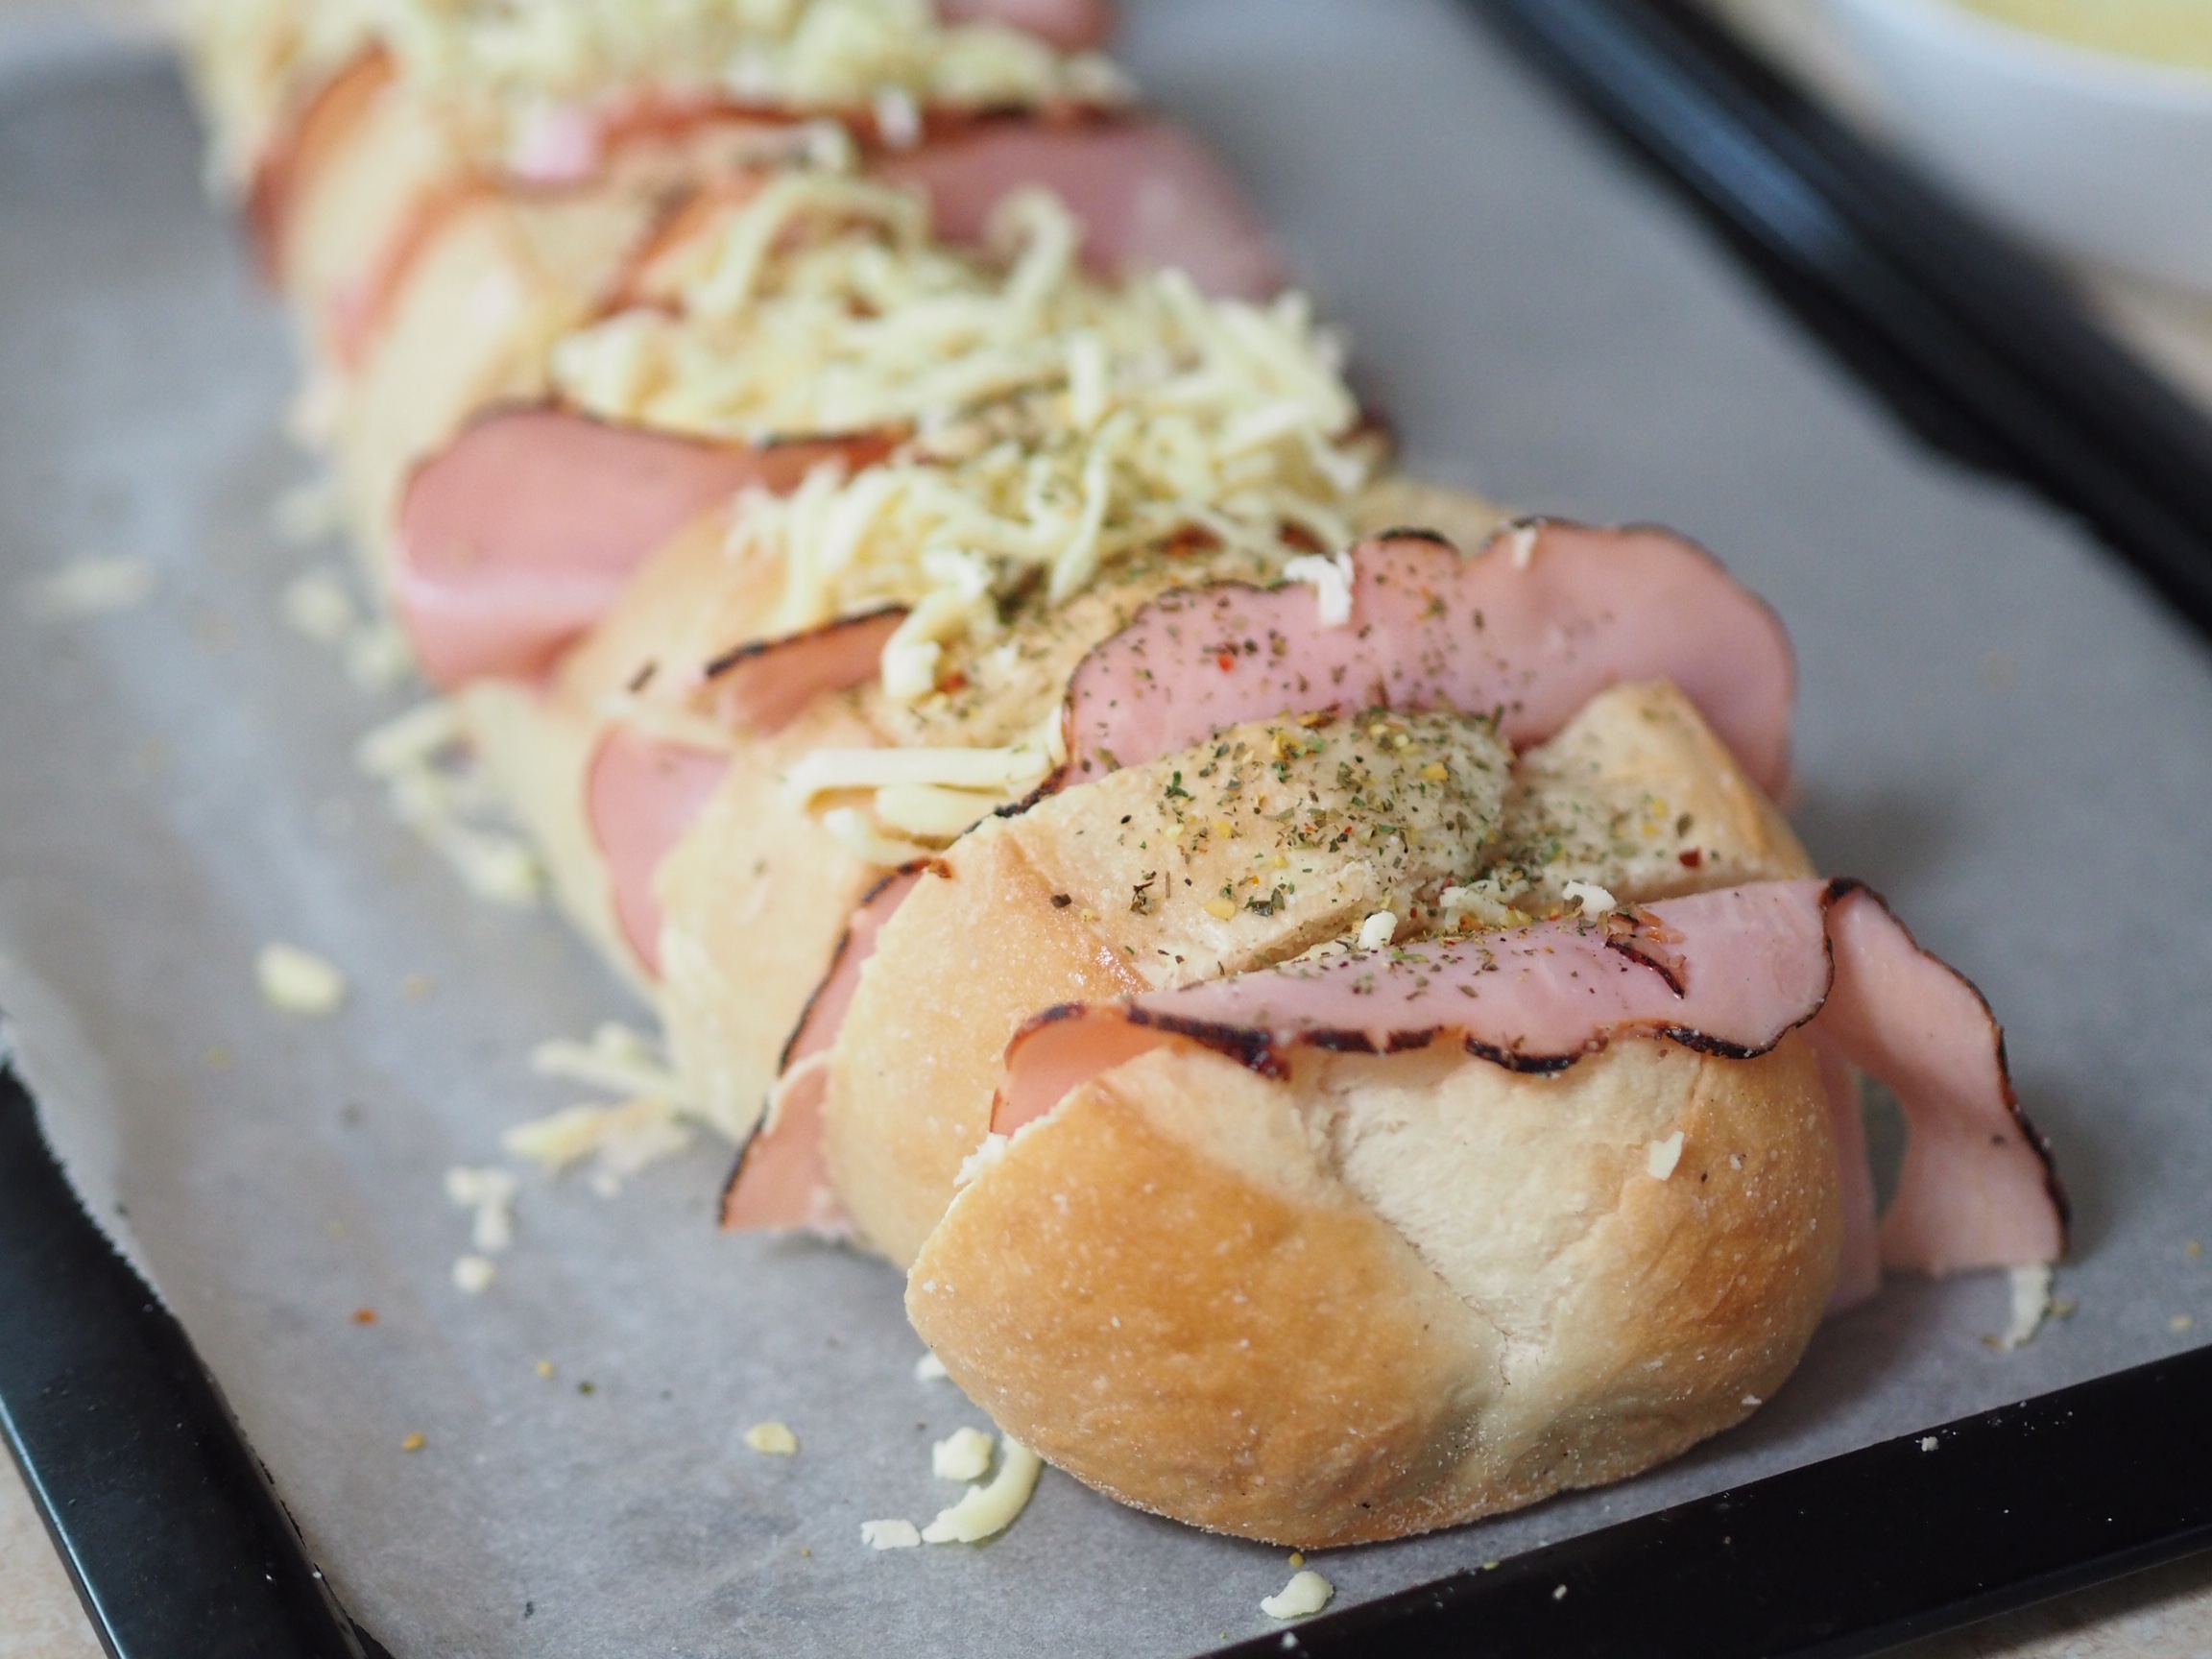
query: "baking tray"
167, 1521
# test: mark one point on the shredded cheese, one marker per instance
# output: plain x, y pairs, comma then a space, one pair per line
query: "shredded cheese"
91, 588
964, 1454
1332, 580
1377, 930
2030, 1284
985, 1511
1057, 423
298, 981
435, 787
1661, 1156
1595, 899
772, 1440
890, 1534
1306, 1595
929, 1369
491, 1194
473, 1275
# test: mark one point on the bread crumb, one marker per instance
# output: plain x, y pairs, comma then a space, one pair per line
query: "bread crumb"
1560, 1593
1661, 1156
297, 981
544, 1367
964, 1454
473, 1275
774, 1439
890, 1534
1222, 910
2193, 1249
1297, 1559
987, 1510
2179, 1323
364, 1315
1927, 1442
1377, 930
413, 1443
929, 1369
1307, 1594
90, 588
415, 987
1753, 1402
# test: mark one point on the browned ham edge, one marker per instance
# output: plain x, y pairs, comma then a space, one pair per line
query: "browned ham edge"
764, 686
1547, 616
1753, 963
782, 1178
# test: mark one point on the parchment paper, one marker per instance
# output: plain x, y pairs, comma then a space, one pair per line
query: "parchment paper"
1998, 727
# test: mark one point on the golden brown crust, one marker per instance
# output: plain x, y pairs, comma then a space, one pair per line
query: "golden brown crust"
1186, 1288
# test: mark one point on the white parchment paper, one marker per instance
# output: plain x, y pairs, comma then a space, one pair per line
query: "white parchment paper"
1998, 727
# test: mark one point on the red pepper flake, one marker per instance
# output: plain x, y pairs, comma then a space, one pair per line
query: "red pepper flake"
955, 681
364, 1315
1225, 660
1693, 858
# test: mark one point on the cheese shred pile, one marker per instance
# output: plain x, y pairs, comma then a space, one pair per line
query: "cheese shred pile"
1052, 423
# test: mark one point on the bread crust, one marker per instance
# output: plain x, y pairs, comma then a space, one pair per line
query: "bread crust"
1209, 1295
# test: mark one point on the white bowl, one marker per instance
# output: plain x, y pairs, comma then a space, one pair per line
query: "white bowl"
2094, 154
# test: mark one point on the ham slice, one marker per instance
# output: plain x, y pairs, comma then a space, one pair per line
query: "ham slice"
642, 794
1545, 617
1068, 25
1148, 193
522, 532
1729, 972
782, 1178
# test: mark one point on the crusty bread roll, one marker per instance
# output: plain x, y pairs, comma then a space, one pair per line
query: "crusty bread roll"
1393, 1293
1636, 795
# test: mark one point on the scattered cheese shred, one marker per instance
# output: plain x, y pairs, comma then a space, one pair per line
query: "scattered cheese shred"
298, 981
771, 1439
434, 788
1377, 930
964, 1454
491, 1193
929, 1369
890, 1534
618, 1058
473, 1275
984, 1511
1662, 1156
319, 605
91, 588
1307, 1594
2030, 1304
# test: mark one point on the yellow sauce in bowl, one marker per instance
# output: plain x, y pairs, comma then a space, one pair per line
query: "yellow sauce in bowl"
2177, 32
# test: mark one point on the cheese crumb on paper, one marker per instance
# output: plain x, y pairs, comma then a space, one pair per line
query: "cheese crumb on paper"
491, 1194
929, 1369
771, 1439
1307, 1594
91, 588
987, 1510
1661, 1156
964, 1454
473, 1275
297, 981
890, 1534
2030, 1304
320, 606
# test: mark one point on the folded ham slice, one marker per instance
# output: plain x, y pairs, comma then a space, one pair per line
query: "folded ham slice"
1148, 194
1728, 973
1546, 617
640, 795
523, 533
786, 1182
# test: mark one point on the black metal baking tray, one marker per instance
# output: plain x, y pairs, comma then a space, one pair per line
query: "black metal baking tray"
179, 1547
